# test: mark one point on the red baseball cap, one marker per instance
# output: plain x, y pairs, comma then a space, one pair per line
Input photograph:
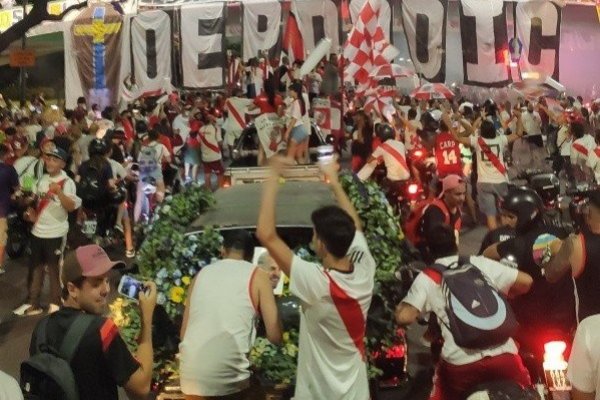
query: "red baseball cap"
86, 261
451, 182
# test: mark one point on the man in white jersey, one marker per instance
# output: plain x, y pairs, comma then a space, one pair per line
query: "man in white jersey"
335, 294
218, 323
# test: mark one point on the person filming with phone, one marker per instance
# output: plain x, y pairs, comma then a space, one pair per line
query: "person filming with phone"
101, 360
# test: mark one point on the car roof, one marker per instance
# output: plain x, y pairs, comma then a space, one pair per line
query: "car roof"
238, 206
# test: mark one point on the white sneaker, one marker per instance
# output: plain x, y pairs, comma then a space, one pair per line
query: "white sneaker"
130, 253
21, 309
2, 270
53, 308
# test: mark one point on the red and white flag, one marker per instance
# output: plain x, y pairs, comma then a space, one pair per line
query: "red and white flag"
293, 44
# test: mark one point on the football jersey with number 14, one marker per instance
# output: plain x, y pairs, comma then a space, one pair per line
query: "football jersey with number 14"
447, 155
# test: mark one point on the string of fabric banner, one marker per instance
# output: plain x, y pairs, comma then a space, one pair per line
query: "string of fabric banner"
109, 56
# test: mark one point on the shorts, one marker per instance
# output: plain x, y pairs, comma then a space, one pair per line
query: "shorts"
3, 231
299, 134
192, 387
488, 195
191, 156
156, 174
213, 166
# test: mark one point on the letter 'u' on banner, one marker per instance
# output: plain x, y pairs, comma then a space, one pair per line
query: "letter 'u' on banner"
538, 28
486, 59
425, 29
203, 54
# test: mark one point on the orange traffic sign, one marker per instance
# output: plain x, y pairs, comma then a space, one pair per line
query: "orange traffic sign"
22, 58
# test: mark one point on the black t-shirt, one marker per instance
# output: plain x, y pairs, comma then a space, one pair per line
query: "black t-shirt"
546, 304
102, 361
433, 217
500, 234
9, 181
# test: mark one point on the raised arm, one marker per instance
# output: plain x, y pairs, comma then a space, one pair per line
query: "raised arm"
519, 133
331, 171
265, 229
562, 259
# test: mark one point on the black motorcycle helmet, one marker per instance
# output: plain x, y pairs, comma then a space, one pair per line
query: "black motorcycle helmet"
526, 204
385, 132
141, 128
98, 147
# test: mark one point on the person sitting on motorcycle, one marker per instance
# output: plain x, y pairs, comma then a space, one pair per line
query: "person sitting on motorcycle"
547, 309
444, 210
94, 182
576, 255
393, 155
461, 370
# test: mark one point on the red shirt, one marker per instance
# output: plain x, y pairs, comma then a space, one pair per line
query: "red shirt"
262, 102
447, 155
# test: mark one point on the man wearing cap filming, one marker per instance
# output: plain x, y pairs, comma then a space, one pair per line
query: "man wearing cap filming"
102, 361
57, 197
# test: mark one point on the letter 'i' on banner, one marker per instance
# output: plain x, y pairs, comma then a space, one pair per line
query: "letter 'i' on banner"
538, 26
425, 29
486, 59
203, 55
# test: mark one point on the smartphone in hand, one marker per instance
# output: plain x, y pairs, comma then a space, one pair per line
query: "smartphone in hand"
130, 287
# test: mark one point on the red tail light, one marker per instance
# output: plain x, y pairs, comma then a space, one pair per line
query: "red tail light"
418, 153
413, 188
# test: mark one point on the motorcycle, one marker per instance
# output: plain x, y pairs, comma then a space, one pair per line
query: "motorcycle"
547, 186
578, 203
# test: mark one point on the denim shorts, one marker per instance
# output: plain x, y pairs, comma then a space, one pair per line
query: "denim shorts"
488, 195
299, 134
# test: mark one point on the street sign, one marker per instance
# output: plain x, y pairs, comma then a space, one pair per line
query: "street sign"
22, 58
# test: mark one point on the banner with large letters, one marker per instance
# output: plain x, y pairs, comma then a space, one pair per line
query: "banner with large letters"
146, 53
425, 29
317, 19
538, 28
261, 24
203, 55
486, 60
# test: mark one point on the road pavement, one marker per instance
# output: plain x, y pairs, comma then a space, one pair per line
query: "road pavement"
15, 332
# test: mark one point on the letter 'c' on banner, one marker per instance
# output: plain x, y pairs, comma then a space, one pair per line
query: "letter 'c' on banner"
425, 29
538, 27
486, 60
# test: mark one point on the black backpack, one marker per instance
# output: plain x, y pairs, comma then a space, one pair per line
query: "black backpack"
47, 374
478, 316
91, 188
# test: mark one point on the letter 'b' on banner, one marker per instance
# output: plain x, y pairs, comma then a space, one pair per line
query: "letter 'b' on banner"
538, 27
261, 27
425, 29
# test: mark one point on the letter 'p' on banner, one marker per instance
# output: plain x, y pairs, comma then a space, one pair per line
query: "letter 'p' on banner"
203, 54
425, 29
538, 28
486, 59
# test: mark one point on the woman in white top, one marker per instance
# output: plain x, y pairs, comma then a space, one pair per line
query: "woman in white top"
296, 133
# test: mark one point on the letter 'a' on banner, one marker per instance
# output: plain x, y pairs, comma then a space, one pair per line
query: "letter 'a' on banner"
203, 55
261, 23
538, 27
486, 59
425, 29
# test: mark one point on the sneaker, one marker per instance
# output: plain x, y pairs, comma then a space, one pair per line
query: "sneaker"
21, 309
32, 311
130, 253
53, 308
2, 270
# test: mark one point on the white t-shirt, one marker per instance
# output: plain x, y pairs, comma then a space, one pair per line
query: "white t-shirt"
505, 117
532, 123
83, 144
427, 296
581, 148
564, 141
9, 388
296, 113
330, 365
220, 330
32, 131
486, 171
182, 124
53, 221
593, 162
28, 168
212, 135
584, 362
395, 170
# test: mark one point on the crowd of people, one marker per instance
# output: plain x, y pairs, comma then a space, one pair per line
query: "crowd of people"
59, 167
